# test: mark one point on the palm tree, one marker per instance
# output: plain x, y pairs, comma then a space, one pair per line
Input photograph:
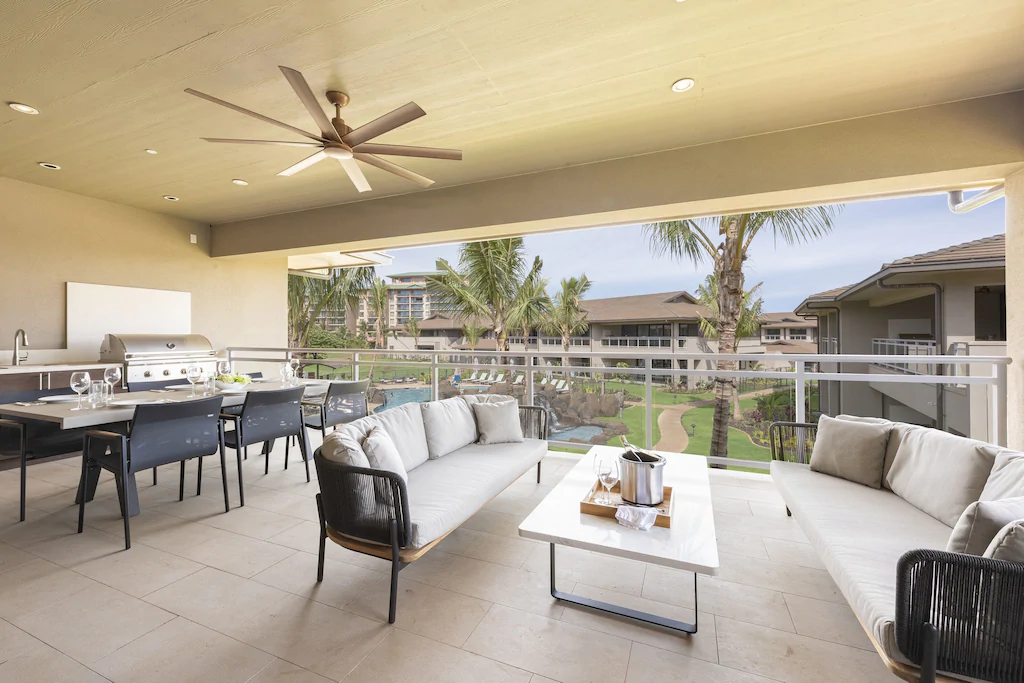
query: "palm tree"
535, 306
412, 328
749, 324
567, 317
725, 240
378, 304
309, 298
487, 284
472, 333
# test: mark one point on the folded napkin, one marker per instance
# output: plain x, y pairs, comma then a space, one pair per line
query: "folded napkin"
637, 518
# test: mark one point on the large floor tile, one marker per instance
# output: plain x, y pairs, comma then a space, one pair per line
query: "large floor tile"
733, 506
342, 582
280, 671
791, 552
794, 658
493, 522
251, 521
827, 621
651, 665
11, 557
786, 578
181, 650
432, 568
43, 664
317, 637
517, 588
305, 536
288, 504
35, 585
785, 529
405, 657
93, 623
74, 549
736, 543
426, 610
721, 598
511, 552
139, 571
702, 645
238, 554
551, 648
14, 641
573, 565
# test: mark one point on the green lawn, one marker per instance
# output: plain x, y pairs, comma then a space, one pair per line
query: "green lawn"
740, 445
635, 420
659, 395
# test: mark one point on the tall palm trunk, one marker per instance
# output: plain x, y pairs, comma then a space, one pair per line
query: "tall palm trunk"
729, 269
565, 350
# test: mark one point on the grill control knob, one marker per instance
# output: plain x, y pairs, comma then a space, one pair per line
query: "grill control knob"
147, 373
166, 372
184, 371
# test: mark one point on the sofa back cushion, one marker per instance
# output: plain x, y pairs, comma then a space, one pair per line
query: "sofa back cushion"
851, 450
381, 451
342, 447
498, 422
449, 425
940, 473
1008, 544
981, 522
404, 424
1007, 477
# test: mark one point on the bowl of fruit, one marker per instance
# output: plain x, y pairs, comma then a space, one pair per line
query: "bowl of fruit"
232, 381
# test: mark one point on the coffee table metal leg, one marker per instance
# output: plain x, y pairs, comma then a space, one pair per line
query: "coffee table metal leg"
682, 626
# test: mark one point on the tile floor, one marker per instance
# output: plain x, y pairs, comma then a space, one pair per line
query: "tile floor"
208, 596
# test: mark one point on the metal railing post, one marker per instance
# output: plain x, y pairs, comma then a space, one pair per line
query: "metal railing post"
801, 409
355, 367
649, 404
998, 403
529, 380
435, 385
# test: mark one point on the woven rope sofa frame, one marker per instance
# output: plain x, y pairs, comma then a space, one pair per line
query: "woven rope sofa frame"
956, 613
367, 510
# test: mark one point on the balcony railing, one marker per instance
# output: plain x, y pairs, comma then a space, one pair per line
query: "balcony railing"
904, 348
638, 342
638, 387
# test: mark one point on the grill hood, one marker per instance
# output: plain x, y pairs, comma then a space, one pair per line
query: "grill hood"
128, 347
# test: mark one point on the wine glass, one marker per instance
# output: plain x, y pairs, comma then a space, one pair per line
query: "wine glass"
112, 376
286, 373
194, 373
80, 383
608, 474
295, 365
223, 367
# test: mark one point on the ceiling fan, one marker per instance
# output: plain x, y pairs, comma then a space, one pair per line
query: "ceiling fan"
338, 141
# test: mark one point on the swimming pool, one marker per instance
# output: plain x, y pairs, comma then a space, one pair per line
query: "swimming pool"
583, 433
397, 397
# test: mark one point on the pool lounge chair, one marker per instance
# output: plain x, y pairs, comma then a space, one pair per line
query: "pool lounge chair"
564, 388
558, 384
519, 380
475, 377
486, 378
499, 379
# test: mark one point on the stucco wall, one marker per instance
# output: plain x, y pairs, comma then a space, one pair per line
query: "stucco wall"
1015, 307
49, 237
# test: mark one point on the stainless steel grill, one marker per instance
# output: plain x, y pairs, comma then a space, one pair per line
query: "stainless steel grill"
152, 360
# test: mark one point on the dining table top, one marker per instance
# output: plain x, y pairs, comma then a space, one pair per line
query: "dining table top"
66, 415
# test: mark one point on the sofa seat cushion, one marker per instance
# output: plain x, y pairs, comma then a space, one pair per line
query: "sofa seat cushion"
859, 533
444, 493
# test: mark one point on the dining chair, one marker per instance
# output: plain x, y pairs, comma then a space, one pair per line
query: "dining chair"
160, 434
343, 402
267, 416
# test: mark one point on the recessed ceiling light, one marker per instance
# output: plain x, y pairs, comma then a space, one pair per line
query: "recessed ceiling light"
682, 85
170, 198
239, 181
22, 108
47, 164
151, 151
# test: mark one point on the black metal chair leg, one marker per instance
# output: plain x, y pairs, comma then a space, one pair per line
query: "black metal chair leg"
246, 451
396, 566
266, 458
82, 484
241, 491
323, 538
23, 452
120, 480
304, 447
224, 475
929, 652
538, 473
154, 476
199, 478
287, 442
181, 483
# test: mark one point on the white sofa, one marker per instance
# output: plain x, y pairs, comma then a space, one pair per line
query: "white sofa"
448, 477
864, 534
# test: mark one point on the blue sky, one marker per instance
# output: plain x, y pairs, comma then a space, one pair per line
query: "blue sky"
867, 234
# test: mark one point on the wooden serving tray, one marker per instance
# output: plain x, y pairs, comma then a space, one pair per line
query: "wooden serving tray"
590, 506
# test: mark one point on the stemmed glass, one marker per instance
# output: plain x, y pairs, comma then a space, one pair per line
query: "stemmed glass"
286, 373
607, 471
80, 383
194, 373
223, 367
294, 363
111, 376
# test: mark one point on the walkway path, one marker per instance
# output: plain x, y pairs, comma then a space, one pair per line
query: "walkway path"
674, 437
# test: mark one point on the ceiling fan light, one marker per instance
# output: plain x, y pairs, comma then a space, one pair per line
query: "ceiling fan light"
151, 151
338, 152
47, 164
239, 181
683, 84
22, 108
171, 198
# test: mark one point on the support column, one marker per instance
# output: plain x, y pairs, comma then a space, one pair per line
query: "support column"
1015, 307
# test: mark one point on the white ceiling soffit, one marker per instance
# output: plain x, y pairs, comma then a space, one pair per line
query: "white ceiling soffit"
320, 265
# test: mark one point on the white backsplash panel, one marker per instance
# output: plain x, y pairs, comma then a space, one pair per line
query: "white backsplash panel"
94, 311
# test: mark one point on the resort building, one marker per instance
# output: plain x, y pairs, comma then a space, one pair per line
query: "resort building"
950, 301
407, 298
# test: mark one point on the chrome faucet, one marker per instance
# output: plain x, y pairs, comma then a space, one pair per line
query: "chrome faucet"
20, 338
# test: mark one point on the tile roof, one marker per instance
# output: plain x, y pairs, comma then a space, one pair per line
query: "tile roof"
441, 322
829, 293
662, 306
987, 248
786, 319
415, 273
790, 346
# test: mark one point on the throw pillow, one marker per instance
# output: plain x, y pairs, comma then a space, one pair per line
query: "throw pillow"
1007, 477
1008, 544
940, 473
498, 422
340, 447
449, 425
383, 454
850, 450
980, 523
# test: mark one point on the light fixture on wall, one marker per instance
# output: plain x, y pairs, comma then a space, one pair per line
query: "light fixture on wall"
682, 85
239, 181
170, 198
47, 164
22, 108
151, 151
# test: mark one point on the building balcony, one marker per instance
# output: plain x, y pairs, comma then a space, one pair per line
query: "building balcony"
905, 354
638, 342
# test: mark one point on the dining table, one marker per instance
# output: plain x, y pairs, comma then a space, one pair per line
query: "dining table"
121, 410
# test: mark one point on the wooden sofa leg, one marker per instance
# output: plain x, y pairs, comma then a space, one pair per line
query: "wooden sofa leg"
323, 538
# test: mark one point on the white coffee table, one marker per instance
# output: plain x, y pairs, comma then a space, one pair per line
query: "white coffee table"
688, 544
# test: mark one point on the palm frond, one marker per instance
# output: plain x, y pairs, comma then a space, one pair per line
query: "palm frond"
750, 313
685, 240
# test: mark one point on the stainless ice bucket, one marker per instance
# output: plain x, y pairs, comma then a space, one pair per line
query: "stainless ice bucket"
640, 477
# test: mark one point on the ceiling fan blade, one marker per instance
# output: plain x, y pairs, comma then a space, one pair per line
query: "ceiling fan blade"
280, 143
407, 151
242, 110
305, 163
385, 165
390, 121
302, 89
355, 174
